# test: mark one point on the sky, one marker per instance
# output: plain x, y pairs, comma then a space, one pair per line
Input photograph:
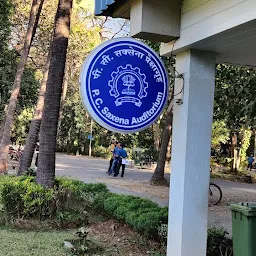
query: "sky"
114, 27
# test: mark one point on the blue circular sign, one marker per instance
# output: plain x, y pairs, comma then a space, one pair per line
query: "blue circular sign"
124, 85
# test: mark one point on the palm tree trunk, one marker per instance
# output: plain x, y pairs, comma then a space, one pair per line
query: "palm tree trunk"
4, 145
158, 175
27, 155
39, 10
156, 131
48, 132
63, 98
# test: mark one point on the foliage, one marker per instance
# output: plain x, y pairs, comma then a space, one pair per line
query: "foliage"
6, 56
5, 11
245, 144
28, 93
8, 63
141, 214
234, 96
30, 172
75, 123
150, 220
152, 152
220, 133
100, 151
218, 244
234, 108
68, 200
40, 44
21, 125
220, 138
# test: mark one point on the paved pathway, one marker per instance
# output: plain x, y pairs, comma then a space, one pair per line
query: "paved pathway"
136, 182
86, 168
92, 170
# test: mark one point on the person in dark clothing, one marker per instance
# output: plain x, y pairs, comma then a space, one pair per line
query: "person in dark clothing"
111, 148
250, 162
122, 155
115, 160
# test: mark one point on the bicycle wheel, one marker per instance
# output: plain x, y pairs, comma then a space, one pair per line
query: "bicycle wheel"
215, 194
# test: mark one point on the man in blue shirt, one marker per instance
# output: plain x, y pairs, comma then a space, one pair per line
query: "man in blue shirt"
116, 159
122, 155
250, 162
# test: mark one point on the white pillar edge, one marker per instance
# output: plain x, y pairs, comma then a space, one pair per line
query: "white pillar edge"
191, 140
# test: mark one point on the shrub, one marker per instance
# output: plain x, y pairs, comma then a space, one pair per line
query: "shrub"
23, 198
151, 220
30, 172
141, 214
100, 151
77, 218
162, 233
20, 197
218, 243
99, 200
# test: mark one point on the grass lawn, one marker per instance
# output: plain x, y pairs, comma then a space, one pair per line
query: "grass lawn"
33, 243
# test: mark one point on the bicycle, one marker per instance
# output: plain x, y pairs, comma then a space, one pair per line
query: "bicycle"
215, 194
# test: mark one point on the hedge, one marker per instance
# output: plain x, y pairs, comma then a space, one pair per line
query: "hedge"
141, 214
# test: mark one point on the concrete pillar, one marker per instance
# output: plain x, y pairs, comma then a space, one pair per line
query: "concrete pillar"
192, 123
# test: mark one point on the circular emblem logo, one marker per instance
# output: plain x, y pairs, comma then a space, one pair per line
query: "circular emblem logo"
124, 85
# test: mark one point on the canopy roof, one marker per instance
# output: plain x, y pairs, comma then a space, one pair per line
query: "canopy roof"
108, 8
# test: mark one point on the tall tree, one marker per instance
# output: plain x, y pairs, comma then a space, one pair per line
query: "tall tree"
41, 44
5, 140
5, 24
49, 124
236, 104
34, 128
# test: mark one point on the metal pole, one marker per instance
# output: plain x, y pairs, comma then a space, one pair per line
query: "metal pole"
90, 145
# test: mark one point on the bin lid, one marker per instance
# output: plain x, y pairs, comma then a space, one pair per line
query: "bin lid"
247, 208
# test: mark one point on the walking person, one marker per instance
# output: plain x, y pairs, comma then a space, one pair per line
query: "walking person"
122, 156
250, 162
115, 159
111, 148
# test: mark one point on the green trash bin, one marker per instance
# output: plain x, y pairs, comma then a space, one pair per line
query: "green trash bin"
244, 229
